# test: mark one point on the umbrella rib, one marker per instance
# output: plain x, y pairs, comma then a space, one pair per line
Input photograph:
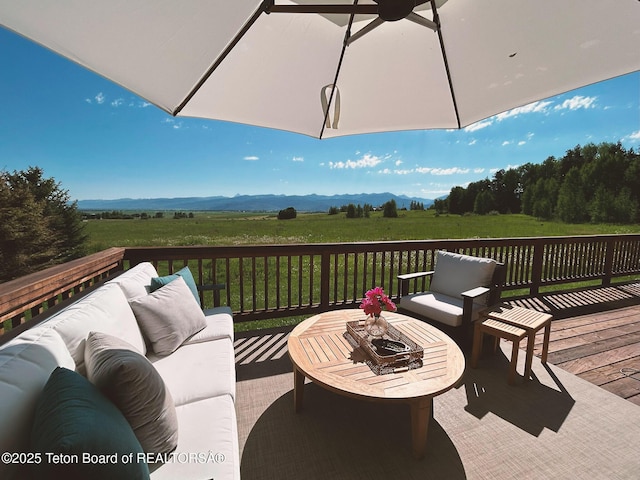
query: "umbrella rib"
261, 9
436, 19
335, 80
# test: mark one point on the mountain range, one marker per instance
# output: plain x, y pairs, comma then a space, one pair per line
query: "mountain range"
258, 203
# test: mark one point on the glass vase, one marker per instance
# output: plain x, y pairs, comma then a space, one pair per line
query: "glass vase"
376, 326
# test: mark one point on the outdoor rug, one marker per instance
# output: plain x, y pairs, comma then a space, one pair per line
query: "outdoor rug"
555, 426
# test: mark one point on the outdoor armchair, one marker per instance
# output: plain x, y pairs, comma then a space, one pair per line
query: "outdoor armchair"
460, 287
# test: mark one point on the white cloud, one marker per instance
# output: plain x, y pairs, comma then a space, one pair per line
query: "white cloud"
298, 159
367, 161
478, 170
634, 137
505, 143
473, 142
478, 125
576, 102
100, 98
117, 102
175, 125
449, 171
426, 170
398, 163
521, 142
535, 107
251, 158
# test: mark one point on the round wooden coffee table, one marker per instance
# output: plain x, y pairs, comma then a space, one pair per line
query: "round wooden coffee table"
319, 351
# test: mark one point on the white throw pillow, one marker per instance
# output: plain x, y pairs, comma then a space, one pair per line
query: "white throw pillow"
168, 316
456, 273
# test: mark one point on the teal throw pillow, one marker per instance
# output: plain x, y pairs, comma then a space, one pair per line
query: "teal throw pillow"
185, 273
76, 422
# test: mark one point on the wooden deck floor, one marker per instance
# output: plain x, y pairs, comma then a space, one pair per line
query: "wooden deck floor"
602, 348
595, 335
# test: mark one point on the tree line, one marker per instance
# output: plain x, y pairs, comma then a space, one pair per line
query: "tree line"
594, 183
389, 209
120, 215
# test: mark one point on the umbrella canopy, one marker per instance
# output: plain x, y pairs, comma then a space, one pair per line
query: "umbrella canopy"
331, 68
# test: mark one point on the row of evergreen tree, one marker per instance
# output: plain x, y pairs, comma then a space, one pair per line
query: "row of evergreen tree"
120, 215
389, 209
594, 183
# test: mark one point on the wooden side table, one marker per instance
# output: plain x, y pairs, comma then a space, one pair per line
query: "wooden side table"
513, 323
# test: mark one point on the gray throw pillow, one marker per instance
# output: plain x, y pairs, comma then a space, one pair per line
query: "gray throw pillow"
168, 316
133, 384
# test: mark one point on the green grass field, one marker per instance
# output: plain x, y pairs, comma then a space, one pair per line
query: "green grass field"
229, 228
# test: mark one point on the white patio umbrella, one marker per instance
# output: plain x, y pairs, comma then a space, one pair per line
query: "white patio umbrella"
330, 68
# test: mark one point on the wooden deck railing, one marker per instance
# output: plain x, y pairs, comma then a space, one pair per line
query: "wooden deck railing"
31, 295
287, 280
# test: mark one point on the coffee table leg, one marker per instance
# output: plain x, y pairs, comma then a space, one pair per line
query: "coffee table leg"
298, 389
421, 410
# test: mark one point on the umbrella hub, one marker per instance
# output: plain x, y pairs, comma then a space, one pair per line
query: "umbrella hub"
393, 10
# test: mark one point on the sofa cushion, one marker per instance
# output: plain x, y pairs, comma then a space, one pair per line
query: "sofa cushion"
130, 381
168, 316
74, 418
26, 362
211, 367
209, 429
219, 325
136, 282
455, 273
105, 310
185, 273
439, 307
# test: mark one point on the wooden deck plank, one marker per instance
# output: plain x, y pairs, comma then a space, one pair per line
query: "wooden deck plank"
635, 399
584, 364
597, 345
612, 372
625, 387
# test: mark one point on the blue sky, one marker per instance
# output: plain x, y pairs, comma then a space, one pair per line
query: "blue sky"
102, 142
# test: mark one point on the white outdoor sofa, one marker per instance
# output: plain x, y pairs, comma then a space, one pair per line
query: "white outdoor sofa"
196, 390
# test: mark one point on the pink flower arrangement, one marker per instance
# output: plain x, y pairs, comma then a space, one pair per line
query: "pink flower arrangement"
375, 300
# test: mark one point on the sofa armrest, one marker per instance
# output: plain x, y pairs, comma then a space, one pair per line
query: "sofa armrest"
215, 287
406, 277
